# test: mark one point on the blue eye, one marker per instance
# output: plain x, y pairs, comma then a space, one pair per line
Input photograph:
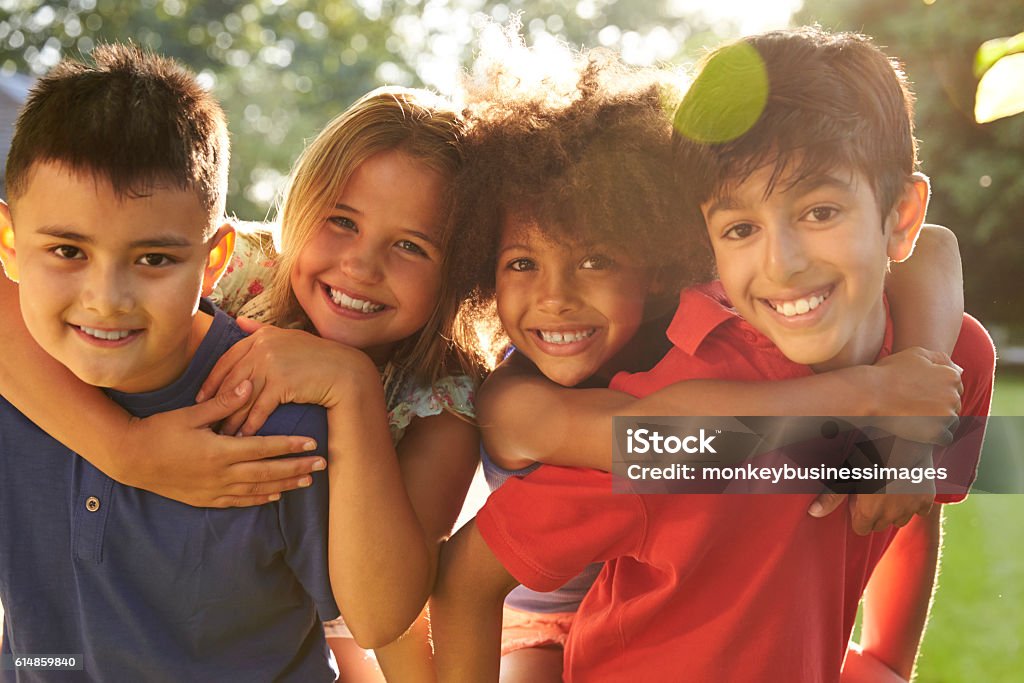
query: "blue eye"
342, 222
411, 247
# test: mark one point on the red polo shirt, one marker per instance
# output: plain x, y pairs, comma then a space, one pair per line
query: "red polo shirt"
701, 587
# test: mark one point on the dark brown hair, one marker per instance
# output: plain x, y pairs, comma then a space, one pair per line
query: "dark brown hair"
592, 164
803, 101
131, 117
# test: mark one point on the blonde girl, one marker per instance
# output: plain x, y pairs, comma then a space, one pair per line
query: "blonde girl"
372, 335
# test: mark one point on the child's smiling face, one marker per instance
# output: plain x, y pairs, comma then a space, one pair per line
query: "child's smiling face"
569, 308
806, 263
370, 275
110, 284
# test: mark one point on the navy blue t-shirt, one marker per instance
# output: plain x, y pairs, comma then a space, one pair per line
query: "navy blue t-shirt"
143, 588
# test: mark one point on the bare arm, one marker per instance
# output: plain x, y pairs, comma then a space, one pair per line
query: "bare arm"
573, 427
390, 511
899, 593
409, 659
185, 460
926, 293
466, 609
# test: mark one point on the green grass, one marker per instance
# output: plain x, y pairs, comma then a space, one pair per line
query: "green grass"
976, 632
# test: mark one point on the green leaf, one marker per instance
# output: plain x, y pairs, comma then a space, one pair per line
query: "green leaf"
991, 51
1001, 90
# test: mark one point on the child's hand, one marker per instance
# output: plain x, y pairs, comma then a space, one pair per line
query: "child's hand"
862, 667
186, 461
875, 511
284, 366
900, 501
920, 383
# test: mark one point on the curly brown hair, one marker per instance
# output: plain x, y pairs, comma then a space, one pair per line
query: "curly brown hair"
590, 163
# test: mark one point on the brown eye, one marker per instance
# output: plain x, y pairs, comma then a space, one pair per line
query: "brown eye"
823, 213
68, 252
155, 260
597, 262
740, 231
520, 265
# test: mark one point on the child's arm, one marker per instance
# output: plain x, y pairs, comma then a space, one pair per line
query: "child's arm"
389, 510
390, 513
410, 658
573, 427
926, 293
898, 596
466, 609
184, 459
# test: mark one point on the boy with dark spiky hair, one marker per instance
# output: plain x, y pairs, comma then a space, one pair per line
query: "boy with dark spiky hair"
117, 177
795, 150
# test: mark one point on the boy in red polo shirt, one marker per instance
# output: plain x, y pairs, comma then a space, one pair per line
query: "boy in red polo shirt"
804, 205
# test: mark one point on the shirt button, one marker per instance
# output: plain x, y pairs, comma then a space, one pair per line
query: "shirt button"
92, 503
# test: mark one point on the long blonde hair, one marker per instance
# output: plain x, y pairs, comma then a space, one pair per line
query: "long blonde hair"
426, 128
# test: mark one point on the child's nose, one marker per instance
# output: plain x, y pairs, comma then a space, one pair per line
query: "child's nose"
361, 263
558, 292
786, 255
107, 292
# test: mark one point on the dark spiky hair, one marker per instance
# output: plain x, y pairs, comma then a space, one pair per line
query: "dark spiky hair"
129, 116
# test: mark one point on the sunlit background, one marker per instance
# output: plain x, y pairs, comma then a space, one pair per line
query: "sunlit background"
283, 69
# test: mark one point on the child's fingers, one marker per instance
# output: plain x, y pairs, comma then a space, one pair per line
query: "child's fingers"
248, 325
243, 372
268, 488
825, 504
221, 405
257, 458
243, 501
222, 370
265, 404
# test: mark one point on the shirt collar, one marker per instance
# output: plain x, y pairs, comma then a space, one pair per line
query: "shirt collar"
704, 308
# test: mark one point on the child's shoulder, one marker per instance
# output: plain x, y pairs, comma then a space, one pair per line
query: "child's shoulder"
451, 393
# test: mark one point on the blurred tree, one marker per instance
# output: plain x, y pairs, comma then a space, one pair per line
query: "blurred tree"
283, 69
977, 170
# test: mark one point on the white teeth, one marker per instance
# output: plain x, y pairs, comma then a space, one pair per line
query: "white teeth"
798, 306
361, 305
565, 337
108, 335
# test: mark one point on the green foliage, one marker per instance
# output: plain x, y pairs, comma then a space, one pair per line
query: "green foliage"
977, 170
282, 69
999, 65
714, 109
991, 51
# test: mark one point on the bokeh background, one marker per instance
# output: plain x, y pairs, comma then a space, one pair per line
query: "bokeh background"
283, 69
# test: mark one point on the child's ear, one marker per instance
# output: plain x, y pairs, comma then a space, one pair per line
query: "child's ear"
7, 242
220, 256
907, 217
